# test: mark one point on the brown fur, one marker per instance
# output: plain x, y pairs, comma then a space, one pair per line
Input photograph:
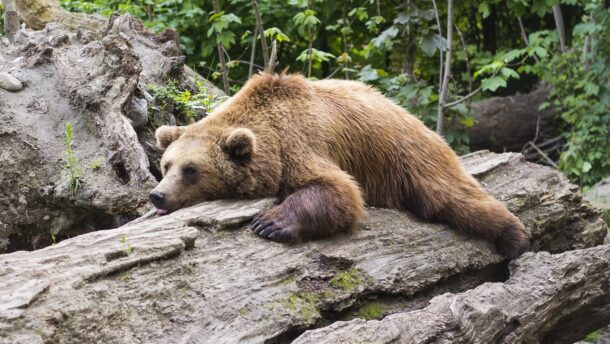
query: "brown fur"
325, 147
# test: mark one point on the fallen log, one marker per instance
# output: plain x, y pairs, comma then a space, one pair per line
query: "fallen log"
508, 123
548, 299
198, 275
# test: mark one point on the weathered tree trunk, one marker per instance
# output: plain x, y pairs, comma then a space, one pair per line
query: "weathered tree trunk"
508, 123
11, 21
548, 299
98, 81
38, 13
199, 276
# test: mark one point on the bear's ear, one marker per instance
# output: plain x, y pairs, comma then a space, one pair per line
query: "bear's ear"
166, 134
240, 144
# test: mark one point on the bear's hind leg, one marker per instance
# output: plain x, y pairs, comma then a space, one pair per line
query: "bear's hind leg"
483, 216
328, 202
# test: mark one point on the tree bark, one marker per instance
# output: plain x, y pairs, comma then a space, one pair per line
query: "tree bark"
252, 52
261, 31
199, 274
561, 30
11, 20
410, 48
508, 123
440, 120
309, 50
221, 56
98, 81
37, 13
548, 299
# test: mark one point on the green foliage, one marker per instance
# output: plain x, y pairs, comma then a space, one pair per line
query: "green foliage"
316, 56
96, 164
276, 34
347, 280
1, 19
219, 24
581, 95
593, 337
304, 303
370, 311
306, 20
125, 245
184, 104
72, 169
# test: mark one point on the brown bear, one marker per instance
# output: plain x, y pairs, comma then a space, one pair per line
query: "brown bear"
325, 148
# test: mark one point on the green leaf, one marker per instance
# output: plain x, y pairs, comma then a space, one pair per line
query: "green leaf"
493, 83
427, 14
226, 39
490, 68
368, 73
591, 89
316, 55
586, 167
484, 9
432, 41
346, 30
344, 58
311, 21
540, 51
468, 122
512, 55
220, 25
384, 40
373, 24
508, 73
277, 34
232, 18
359, 12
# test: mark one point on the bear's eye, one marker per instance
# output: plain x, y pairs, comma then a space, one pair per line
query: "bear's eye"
167, 166
189, 171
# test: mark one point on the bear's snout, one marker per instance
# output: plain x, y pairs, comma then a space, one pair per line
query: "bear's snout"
157, 199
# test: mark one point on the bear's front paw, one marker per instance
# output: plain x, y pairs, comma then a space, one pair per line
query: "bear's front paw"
266, 227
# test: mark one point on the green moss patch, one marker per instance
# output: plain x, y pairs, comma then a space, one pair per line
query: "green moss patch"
347, 280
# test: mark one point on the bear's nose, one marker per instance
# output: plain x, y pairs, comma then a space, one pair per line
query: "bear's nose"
157, 198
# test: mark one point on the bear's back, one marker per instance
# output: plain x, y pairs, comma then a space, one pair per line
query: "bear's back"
372, 138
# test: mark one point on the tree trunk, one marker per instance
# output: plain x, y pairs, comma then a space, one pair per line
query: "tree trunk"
444, 91
261, 31
11, 21
508, 123
221, 56
561, 30
199, 274
38, 13
99, 82
548, 299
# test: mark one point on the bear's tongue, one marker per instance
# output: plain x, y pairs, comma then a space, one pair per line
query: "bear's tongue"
161, 211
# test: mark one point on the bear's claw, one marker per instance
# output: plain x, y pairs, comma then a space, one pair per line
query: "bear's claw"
268, 229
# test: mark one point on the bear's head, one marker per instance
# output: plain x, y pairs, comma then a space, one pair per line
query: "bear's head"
205, 163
